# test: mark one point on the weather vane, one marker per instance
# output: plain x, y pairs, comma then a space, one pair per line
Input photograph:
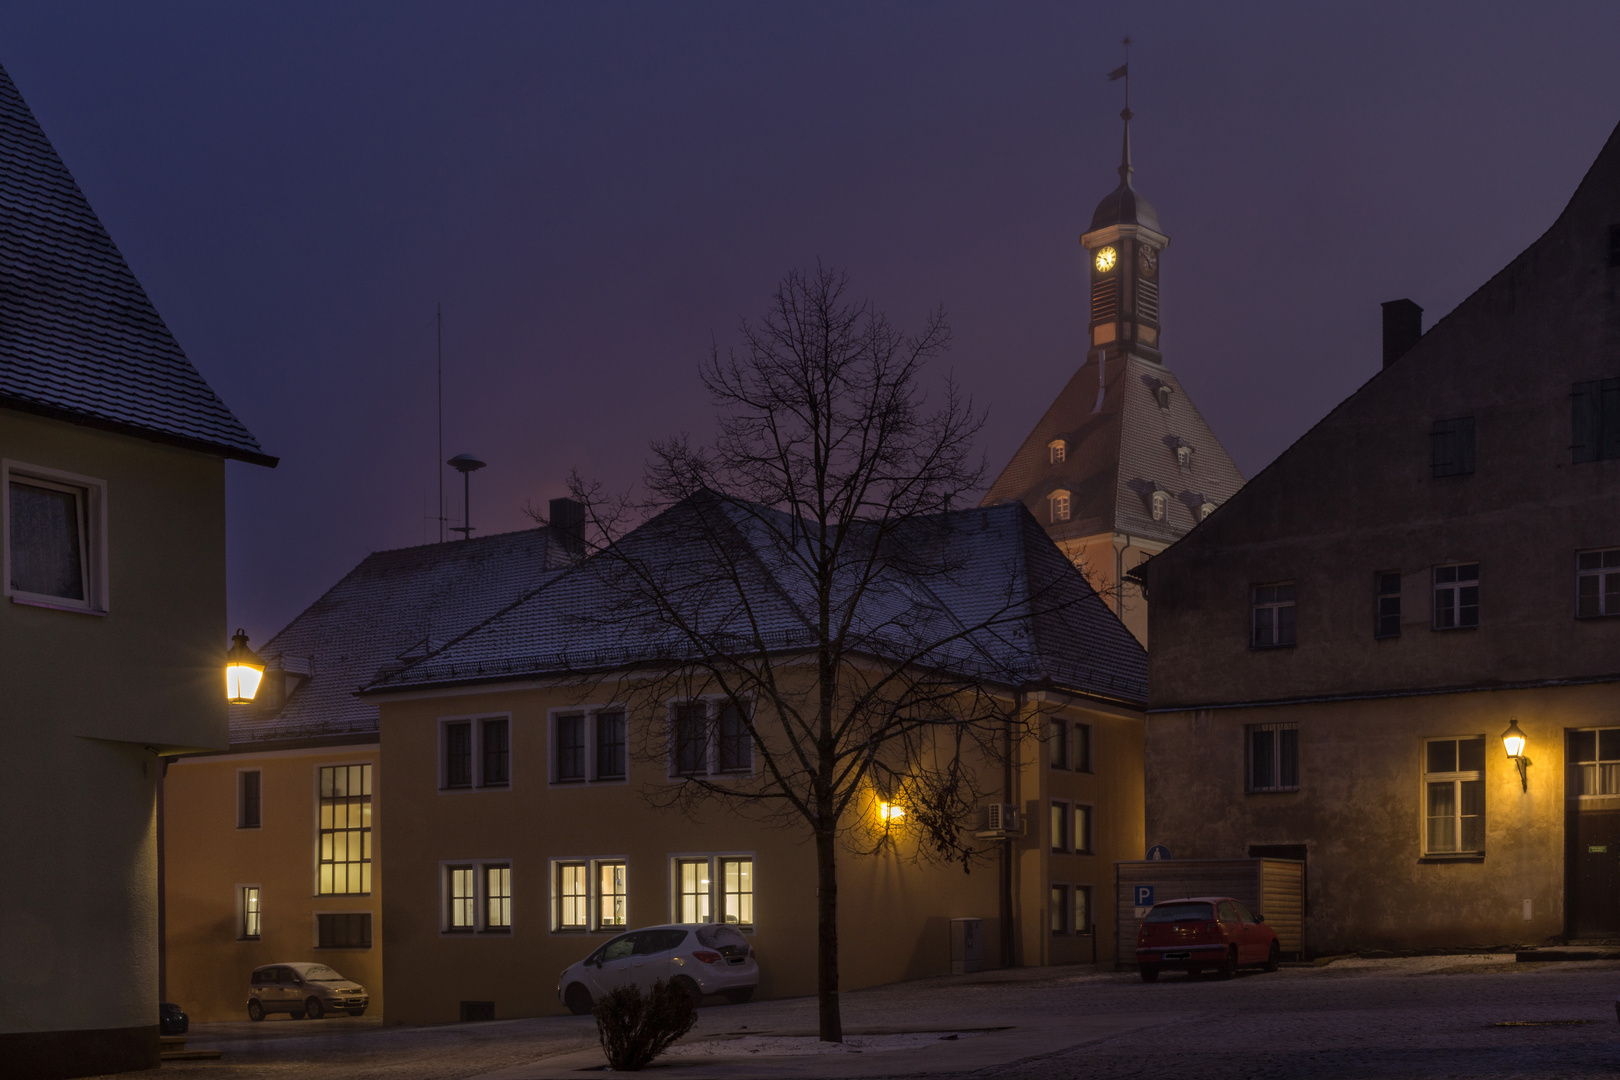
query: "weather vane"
1124, 72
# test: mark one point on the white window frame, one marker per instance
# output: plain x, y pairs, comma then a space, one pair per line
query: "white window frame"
717, 895
1060, 506
1456, 778
92, 537
1161, 505
475, 723
241, 799
592, 715
368, 862
593, 864
1577, 766
712, 704
480, 924
1608, 560
242, 911
1057, 451
1184, 455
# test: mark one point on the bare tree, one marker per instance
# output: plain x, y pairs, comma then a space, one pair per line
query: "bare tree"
816, 550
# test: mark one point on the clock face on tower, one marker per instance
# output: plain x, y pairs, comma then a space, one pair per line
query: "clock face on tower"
1106, 258
1147, 260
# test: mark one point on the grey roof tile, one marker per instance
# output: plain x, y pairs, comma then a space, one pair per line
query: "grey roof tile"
79, 338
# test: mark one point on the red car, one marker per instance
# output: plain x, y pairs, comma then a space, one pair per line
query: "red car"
1204, 932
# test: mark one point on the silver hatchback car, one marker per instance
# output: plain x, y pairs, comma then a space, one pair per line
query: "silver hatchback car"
301, 990
700, 958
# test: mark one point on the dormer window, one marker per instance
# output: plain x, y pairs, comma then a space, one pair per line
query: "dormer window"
1164, 393
1058, 449
1205, 509
1161, 505
1060, 506
1184, 456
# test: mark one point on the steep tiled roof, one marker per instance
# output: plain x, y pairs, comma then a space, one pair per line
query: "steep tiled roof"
393, 608
79, 339
1019, 611
1120, 449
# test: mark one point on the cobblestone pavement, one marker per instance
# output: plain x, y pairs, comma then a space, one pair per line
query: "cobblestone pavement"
1361, 1019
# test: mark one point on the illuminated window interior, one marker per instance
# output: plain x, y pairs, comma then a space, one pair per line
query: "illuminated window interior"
345, 830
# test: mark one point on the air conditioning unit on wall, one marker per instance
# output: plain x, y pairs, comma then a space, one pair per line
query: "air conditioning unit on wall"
1000, 822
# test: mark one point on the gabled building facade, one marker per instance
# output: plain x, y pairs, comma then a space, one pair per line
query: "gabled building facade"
1122, 463
1346, 654
502, 885
275, 846
112, 622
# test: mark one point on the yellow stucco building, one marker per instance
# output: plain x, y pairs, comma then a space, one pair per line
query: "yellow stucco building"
112, 626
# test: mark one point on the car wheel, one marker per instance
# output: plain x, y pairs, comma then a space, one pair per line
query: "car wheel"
299, 1015
740, 997
255, 1010
1228, 966
1273, 958
689, 989
314, 1008
578, 1000
1150, 972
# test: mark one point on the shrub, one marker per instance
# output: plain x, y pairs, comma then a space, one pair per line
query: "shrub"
636, 1028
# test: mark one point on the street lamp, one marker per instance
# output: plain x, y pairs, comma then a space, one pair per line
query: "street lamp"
243, 670
1513, 742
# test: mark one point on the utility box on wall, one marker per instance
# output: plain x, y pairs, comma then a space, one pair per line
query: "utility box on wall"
1274, 889
967, 946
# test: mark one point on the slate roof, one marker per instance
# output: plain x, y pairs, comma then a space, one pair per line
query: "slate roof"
395, 607
1023, 614
79, 338
1119, 451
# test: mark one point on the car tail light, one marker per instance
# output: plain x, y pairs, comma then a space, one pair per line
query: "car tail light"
1213, 928
706, 956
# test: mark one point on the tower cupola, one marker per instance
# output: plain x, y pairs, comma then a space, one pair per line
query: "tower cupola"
1123, 244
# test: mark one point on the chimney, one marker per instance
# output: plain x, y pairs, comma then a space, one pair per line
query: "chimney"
1403, 325
568, 525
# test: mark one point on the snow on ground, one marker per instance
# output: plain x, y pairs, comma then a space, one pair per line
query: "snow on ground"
796, 1045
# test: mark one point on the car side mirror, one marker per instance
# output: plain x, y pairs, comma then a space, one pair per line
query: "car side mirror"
1259, 918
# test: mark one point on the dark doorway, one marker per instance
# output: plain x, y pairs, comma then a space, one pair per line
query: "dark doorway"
1594, 873
1287, 851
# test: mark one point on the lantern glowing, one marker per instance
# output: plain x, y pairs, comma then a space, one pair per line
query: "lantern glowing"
890, 811
243, 670
1513, 739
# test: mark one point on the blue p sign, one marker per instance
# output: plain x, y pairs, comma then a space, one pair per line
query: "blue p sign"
1144, 896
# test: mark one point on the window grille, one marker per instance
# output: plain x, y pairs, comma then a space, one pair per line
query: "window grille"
1058, 450
1161, 505
1060, 506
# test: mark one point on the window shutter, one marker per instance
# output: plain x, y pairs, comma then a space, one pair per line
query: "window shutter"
1586, 421
1465, 444
1609, 419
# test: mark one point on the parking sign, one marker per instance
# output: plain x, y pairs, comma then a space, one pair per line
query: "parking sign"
1144, 896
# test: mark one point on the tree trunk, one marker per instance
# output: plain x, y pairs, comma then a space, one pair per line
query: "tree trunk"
832, 1022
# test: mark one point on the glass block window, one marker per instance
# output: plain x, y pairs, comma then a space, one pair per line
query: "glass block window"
1454, 796
345, 830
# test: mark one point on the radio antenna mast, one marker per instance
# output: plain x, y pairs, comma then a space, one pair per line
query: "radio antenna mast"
439, 318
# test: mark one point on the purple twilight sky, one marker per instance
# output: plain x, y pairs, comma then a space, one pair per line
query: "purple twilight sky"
593, 191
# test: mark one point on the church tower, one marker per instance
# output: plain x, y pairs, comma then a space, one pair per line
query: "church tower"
1122, 464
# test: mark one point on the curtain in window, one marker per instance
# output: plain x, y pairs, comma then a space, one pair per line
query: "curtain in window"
46, 554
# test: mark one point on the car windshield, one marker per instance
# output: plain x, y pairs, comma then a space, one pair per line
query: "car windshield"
322, 973
1182, 913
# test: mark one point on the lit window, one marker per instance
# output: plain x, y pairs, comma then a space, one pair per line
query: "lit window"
1082, 909
1594, 757
573, 897
462, 902
611, 895
1082, 830
1273, 616
1058, 449
345, 829
1161, 505
737, 891
55, 538
1060, 826
497, 897
693, 882
248, 813
1060, 506
1454, 796
1273, 757
248, 901
1456, 596
1597, 583
1387, 620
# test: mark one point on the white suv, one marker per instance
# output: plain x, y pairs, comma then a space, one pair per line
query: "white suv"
302, 990
705, 958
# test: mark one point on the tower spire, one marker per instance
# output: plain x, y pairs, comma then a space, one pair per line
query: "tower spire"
1125, 114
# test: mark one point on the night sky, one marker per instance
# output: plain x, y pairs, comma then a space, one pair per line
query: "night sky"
596, 192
